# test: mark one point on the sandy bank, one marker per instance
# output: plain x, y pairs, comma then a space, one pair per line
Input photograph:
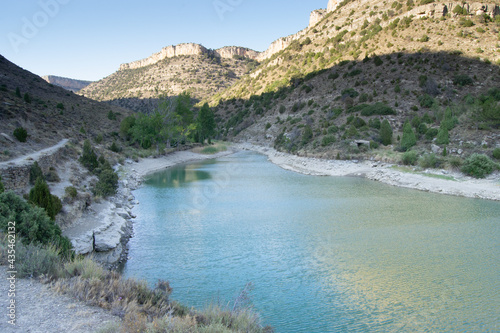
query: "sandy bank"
427, 180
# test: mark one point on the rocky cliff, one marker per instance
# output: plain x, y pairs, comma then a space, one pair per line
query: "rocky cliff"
189, 49
66, 83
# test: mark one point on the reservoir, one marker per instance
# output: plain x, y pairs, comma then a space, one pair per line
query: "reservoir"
322, 254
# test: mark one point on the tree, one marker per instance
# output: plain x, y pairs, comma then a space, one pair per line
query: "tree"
385, 133
409, 139
2, 188
89, 157
126, 126
443, 136
307, 135
35, 173
40, 196
21, 134
206, 123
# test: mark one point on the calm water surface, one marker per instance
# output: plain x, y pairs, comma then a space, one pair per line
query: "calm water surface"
324, 254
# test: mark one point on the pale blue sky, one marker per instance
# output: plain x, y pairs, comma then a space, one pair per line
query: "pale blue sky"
89, 39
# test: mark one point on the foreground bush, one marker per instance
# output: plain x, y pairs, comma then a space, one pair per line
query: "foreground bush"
479, 166
21, 134
32, 223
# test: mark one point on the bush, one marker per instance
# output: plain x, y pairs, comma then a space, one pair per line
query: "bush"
368, 110
32, 222
34, 260
70, 192
386, 133
327, 140
429, 161
111, 115
35, 173
443, 137
496, 154
307, 135
455, 162
2, 188
377, 61
115, 148
409, 139
27, 98
462, 80
89, 157
52, 176
479, 166
431, 133
40, 196
465, 22
107, 183
426, 101
410, 157
21, 134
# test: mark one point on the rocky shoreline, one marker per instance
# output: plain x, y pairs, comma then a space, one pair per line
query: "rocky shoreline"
431, 180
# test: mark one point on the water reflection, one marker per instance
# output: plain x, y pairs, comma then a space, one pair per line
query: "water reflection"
178, 176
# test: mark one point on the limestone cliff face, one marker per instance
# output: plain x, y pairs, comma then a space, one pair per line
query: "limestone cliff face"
316, 16
230, 51
332, 5
189, 49
66, 83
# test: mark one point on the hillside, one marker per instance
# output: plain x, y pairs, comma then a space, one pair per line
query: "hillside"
176, 69
327, 92
66, 83
48, 113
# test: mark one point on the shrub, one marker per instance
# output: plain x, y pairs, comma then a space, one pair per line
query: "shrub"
35, 173
465, 22
408, 140
429, 161
282, 109
307, 135
21, 134
126, 126
70, 192
459, 10
462, 80
386, 133
443, 137
2, 188
32, 222
52, 176
18, 92
350, 93
34, 260
358, 122
115, 148
426, 101
89, 157
377, 61
410, 157
479, 166
60, 106
327, 140
40, 196
107, 183
455, 162
431, 133
111, 115
27, 98
368, 110
496, 154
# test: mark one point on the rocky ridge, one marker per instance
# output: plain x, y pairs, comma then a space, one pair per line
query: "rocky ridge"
66, 83
190, 49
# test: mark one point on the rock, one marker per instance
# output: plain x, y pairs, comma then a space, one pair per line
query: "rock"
83, 244
8, 138
436, 149
316, 17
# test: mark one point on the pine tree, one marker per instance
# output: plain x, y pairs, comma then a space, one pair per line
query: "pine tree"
409, 139
385, 133
206, 123
41, 197
89, 157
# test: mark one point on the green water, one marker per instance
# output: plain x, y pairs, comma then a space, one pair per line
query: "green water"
324, 254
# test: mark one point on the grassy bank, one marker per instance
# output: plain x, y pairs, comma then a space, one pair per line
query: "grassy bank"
141, 308
214, 148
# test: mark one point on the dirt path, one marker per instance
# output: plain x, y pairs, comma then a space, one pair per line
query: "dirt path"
41, 310
35, 156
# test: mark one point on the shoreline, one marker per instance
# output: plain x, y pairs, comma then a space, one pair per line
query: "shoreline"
431, 180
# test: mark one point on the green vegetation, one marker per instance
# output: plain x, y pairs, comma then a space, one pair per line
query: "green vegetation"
2, 188
496, 154
479, 166
21, 134
33, 224
35, 173
205, 124
89, 157
27, 98
410, 157
107, 183
368, 110
409, 139
40, 196
386, 133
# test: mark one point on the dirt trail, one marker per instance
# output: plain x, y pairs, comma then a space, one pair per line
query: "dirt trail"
35, 156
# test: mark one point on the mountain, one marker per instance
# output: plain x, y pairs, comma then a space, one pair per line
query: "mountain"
66, 83
186, 67
49, 113
326, 90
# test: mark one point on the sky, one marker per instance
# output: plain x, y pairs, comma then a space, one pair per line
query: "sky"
89, 39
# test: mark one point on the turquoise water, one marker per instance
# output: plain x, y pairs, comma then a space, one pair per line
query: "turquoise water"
323, 254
